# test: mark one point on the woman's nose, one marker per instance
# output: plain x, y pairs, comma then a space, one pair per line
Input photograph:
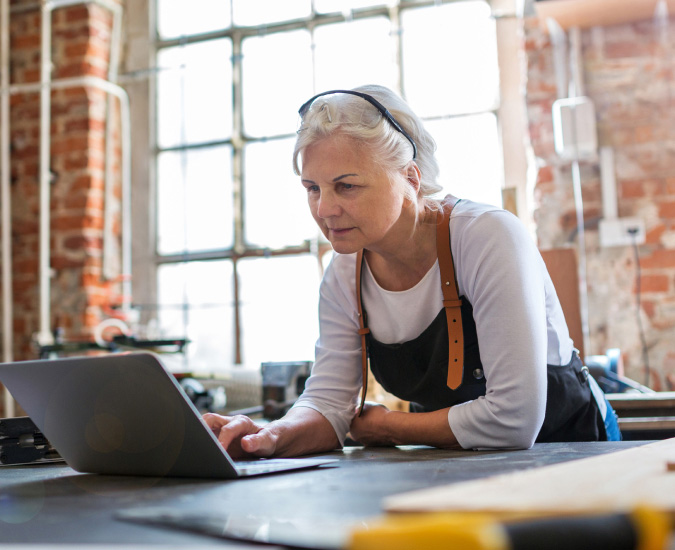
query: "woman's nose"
327, 206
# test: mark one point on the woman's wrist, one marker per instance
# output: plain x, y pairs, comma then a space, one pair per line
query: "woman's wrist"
394, 427
302, 431
430, 428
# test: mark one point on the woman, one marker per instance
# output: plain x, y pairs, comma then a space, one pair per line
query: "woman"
508, 377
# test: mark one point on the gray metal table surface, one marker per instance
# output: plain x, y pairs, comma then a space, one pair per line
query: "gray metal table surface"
51, 503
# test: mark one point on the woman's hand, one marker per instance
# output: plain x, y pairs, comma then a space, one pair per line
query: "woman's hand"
240, 436
370, 428
302, 431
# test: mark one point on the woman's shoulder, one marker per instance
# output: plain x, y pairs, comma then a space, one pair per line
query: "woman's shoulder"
341, 266
338, 286
340, 273
467, 209
488, 238
483, 220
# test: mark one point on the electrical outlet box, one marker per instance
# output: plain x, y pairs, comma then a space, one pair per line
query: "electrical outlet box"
574, 130
622, 232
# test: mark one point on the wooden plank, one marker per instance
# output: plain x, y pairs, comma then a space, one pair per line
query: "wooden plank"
615, 482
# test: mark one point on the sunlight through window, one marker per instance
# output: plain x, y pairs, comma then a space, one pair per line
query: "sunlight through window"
175, 18
194, 200
366, 54
194, 93
279, 308
266, 12
197, 303
276, 209
270, 63
450, 59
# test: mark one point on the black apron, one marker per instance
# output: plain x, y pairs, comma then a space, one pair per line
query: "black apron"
416, 371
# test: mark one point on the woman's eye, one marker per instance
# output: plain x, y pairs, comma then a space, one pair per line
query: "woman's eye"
347, 186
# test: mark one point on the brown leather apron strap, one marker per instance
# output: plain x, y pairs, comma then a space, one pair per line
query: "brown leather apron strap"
363, 330
451, 300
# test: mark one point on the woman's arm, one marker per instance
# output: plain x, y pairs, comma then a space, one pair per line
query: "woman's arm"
380, 427
334, 385
302, 431
500, 272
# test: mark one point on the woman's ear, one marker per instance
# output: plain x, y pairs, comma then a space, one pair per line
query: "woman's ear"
413, 175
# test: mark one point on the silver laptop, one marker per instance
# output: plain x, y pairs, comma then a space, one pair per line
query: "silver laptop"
124, 414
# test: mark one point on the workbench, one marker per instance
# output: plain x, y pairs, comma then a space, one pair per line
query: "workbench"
51, 503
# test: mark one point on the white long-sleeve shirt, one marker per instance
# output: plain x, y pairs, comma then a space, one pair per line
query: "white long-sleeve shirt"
519, 322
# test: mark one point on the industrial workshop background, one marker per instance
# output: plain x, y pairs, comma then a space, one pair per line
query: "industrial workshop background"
152, 184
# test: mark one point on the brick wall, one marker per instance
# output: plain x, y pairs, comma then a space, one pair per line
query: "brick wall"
80, 46
629, 75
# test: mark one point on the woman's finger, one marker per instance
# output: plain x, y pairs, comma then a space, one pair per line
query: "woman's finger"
236, 428
262, 443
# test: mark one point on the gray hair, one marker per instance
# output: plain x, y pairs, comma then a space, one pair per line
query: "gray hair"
354, 117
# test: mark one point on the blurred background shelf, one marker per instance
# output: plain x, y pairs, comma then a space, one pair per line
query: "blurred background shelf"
645, 415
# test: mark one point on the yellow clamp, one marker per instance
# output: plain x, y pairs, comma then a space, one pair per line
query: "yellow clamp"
482, 531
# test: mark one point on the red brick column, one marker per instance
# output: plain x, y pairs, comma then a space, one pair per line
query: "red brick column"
79, 292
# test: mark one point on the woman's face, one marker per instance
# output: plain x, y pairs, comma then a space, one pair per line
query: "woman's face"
352, 199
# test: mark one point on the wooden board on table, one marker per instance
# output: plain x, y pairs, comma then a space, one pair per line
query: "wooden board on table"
614, 482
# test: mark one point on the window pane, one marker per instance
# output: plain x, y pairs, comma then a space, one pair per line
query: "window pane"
340, 6
276, 210
194, 200
469, 157
277, 79
450, 59
263, 12
279, 308
183, 17
195, 301
355, 53
194, 93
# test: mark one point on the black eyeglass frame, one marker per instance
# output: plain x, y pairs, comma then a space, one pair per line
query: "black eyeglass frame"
374, 102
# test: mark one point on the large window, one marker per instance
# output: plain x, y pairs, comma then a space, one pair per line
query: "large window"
238, 258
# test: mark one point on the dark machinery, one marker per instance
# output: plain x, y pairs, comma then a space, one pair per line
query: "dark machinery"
119, 342
608, 372
282, 384
21, 442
